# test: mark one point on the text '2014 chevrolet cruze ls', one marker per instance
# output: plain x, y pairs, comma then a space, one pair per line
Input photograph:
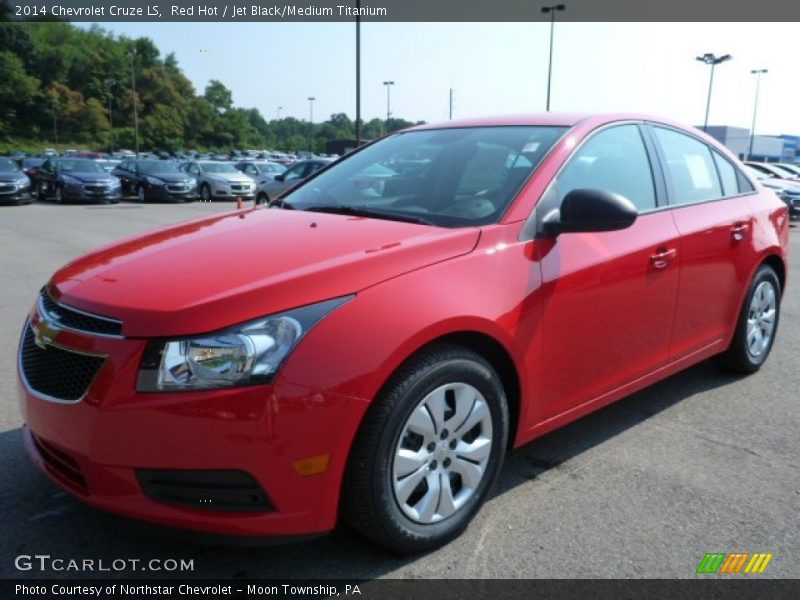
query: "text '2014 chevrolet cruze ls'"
373, 343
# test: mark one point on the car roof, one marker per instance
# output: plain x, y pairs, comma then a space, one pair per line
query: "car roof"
551, 119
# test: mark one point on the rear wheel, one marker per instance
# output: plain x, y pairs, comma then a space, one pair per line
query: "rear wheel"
757, 324
428, 452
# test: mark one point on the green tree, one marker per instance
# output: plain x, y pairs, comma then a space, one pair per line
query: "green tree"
218, 96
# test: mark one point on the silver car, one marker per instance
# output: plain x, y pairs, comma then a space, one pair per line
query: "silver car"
299, 171
261, 171
220, 180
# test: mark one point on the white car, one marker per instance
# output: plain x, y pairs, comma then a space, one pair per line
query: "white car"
220, 180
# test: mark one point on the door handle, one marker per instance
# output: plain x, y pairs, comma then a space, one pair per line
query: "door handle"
739, 231
662, 258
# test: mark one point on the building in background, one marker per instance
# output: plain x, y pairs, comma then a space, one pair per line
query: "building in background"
766, 148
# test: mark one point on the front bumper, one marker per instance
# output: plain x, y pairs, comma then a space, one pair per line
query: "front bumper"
220, 191
91, 193
15, 194
98, 447
172, 192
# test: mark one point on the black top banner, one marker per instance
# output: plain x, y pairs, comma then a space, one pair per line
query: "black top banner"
402, 10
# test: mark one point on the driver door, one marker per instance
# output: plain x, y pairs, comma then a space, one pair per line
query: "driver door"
608, 297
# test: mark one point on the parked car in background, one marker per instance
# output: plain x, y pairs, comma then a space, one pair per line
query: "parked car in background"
299, 171
790, 167
373, 357
109, 164
15, 186
786, 190
260, 171
155, 179
775, 170
218, 180
82, 179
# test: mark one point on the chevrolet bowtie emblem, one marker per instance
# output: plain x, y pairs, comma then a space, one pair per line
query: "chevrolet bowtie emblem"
44, 333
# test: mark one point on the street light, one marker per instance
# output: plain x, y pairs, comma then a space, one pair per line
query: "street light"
757, 73
552, 11
280, 108
388, 85
109, 83
310, 120
358, 73
135, 111
712, 60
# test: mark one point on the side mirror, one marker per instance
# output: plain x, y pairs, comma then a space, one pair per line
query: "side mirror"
585, 210
279, 177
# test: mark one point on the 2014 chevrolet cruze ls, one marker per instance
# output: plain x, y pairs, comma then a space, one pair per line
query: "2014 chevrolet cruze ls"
373, 343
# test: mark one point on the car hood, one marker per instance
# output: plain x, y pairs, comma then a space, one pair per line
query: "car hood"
89, 177
229, 177
210, 273
170, 177
11, 175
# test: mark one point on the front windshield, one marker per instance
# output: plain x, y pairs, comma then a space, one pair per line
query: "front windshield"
210, 167
8, 165
157, 166
79, 165
446, 177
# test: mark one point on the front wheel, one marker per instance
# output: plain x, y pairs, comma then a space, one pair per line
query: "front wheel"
262, 198
59, 195
428, 452
205, 193
141, 194
757, 324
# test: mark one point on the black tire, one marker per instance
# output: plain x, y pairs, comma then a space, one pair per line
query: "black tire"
368, 497
205, 193
59, 195
262, 198
738, 357
141, 194
40, 195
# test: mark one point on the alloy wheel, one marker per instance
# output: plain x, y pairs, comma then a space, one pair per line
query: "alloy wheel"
761, 319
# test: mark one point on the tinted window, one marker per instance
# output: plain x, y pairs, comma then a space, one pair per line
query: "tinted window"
727, 175
8, 165
690, 170
157, 166
613, 160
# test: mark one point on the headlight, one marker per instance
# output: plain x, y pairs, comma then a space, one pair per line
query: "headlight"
154, 180
114, 182
247, 354
22, 182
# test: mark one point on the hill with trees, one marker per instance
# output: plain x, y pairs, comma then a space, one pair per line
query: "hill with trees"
65, 85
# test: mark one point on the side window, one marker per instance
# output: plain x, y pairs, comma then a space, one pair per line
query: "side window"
691, 173
613, 160
727, 175
295, 172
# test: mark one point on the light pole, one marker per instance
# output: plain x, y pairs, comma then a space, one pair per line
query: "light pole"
310, 121
388, 85
712, 60
757, 73
358, 73
135, 110
552, 11
280, 108
109, 83
55, 124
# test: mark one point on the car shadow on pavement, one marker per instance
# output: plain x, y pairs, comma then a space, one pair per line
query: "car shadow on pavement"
39, 518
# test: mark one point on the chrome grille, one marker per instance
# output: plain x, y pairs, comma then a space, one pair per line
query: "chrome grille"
71, 318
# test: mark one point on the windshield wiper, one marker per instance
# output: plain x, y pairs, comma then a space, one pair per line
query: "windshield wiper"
358, 211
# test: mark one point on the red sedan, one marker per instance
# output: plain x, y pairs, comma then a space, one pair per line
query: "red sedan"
373, 349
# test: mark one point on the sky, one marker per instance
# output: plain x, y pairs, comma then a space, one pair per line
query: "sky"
493, 68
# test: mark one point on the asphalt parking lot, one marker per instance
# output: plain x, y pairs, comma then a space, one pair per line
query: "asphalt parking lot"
702, 462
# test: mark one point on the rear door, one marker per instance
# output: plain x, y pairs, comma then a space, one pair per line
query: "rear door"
608, 296
714, 220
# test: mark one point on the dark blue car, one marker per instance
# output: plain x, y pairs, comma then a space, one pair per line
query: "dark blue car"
80, 179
